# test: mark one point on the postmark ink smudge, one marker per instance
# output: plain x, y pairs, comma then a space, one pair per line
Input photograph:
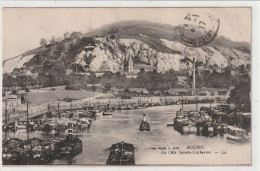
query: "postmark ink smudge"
199, 30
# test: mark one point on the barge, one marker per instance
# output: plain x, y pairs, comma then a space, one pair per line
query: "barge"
121, 154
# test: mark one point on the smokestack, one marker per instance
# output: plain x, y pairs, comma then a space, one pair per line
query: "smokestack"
70, 130
144, 118
194, 82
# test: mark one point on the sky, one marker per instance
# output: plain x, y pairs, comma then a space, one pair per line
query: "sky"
24, 27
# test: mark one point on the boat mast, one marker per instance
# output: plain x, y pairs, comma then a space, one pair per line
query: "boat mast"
210, 103
193, 77
182, 102
241, 119
196, 100
27, 127
6, 122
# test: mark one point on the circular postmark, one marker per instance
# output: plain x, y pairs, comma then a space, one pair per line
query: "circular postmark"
199, 30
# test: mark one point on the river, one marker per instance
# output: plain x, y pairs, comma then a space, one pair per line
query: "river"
124, 126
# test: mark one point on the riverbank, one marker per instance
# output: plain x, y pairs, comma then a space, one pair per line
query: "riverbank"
41, 101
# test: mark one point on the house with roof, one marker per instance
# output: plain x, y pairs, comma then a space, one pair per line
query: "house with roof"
204, 91
116, 90
183, 81
138, 91
179, 91
223, 91
95, 87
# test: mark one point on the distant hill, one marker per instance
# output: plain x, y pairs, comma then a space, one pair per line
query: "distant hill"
109, 48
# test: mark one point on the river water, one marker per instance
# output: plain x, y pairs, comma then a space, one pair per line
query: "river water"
161, 146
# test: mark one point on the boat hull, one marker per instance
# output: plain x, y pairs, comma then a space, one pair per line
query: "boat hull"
121, 154
144, 126
235, 138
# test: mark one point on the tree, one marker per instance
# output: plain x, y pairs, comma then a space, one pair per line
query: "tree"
92, 78
240, 95
66, 35
75, 35
43, 42
8, 80
53, 40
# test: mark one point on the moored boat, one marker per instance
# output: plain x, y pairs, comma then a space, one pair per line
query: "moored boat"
181, 124
10, 155
20, 125
235, 133
37, 152
121, 154
84, 123
70, 146
107, 113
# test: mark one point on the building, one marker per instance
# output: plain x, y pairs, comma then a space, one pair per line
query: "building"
204, 91
12, 101
179, 91
135, 68
116, 90
183, 81
224, 92
130, 75
138, 91
94, 87
130, 64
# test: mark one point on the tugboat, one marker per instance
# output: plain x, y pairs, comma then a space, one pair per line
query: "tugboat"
144, 126
10, 154
70, 146
121, 154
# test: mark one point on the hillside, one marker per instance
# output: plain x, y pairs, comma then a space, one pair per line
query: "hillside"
109, 48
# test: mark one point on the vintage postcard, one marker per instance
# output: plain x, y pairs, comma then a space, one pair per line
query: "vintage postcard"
126, 86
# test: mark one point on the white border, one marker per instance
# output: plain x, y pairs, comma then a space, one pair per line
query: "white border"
255, 71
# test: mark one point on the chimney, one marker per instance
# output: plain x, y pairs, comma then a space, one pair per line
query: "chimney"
194, 82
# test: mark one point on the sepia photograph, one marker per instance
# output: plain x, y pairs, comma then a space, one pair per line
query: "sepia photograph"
127, 86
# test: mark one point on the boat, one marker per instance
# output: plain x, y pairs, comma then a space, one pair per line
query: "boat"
70, 146
10, 155
208, 129
107, 113
99, 112
144, 126
183, 124
87, 113
37, 151
84, 123
121, 154
235, 133
20, 125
